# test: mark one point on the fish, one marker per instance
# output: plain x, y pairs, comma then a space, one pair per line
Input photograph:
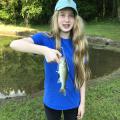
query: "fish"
63, 74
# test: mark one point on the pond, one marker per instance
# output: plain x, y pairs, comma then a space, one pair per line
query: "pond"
20, 74
23, 74
103, 62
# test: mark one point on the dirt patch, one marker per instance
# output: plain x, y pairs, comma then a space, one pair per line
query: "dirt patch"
18, 33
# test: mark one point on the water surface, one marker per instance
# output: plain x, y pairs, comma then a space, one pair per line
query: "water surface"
103, 62
22, 74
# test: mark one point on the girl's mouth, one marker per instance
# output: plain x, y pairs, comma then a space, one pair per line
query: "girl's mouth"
66, 26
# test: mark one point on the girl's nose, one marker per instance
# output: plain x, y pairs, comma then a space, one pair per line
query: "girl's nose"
67, 18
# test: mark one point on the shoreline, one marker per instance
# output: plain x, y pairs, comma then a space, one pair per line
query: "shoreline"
96, 42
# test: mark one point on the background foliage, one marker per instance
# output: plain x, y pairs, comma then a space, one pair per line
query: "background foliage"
40, 11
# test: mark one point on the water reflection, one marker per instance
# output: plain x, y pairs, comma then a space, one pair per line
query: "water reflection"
22, 74
13, 93
103, 62
20, 71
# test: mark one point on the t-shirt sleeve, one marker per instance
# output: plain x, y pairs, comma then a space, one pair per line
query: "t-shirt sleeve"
38, 38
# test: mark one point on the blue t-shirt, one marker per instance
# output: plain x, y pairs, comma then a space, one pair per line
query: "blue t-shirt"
53, 98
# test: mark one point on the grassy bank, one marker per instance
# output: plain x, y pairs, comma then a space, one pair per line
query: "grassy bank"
103, 97
102, 102
5, 40
107, 29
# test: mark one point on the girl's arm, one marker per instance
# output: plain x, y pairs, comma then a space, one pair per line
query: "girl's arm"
82, 91
27, 45
81, 108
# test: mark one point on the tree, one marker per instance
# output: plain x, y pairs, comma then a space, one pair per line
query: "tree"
40, 11
107, 8
30, 10
4, 5
118, 9
87, 9
47, 10
10, 10
16, 7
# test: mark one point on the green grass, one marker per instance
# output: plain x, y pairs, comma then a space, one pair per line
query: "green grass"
105, 29
102, 103
23, 109
40, 27
5, 40
13, 28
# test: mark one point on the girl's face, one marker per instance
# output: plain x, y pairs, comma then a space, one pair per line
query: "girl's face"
66, 20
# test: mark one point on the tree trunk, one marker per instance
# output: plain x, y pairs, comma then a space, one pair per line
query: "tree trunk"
108, 8
26, 20
118, 9
104, 10
114, 10
99, 4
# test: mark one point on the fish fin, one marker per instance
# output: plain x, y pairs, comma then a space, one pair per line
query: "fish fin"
62, 90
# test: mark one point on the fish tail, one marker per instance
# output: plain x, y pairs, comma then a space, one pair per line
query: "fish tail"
62, 90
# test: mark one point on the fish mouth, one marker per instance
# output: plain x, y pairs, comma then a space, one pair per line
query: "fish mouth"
63, 90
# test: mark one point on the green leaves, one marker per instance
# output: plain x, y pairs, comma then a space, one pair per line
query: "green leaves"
31, 11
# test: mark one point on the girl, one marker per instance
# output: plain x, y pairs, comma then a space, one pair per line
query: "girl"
66, 39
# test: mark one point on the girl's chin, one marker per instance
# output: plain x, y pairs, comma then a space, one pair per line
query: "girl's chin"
66, 30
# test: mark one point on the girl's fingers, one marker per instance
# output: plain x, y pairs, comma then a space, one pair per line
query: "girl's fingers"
53, 56
79, 112
58, 53
57, 60
79, 116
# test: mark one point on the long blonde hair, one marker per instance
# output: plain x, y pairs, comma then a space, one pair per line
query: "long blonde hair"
81, 58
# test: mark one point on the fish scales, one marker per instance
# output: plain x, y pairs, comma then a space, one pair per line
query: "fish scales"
63, 74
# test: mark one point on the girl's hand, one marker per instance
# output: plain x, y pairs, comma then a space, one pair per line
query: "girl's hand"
52, 55
81, 111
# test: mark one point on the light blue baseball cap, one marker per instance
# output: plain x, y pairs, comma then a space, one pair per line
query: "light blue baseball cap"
66, 3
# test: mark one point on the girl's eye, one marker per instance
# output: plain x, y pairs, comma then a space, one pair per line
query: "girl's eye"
71, 15
62, 15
